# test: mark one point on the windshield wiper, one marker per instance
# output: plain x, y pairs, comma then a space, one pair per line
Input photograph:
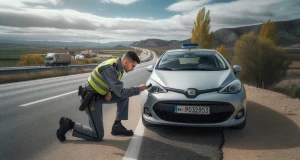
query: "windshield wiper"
164, 68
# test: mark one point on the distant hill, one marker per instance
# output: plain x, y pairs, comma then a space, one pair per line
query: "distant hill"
289, 32
159, 43
15, 43
119, 46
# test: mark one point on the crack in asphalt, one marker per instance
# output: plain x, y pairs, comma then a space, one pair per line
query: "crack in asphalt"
221, 145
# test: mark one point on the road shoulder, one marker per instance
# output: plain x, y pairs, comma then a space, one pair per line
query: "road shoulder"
272, 130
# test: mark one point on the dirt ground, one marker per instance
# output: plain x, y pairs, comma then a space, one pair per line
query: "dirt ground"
272, 130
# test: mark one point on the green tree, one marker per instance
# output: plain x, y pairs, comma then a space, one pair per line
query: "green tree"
200, 32
269, 30
263, 63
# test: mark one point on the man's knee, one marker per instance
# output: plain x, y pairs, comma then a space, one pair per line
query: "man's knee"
99, 138
100, 135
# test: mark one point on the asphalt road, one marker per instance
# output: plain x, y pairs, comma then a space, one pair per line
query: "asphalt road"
29, 119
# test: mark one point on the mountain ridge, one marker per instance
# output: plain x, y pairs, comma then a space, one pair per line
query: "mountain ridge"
289, 32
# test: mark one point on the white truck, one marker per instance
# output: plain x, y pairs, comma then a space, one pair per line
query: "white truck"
79, 57
57, 59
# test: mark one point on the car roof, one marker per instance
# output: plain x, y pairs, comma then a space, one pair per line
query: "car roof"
204, 51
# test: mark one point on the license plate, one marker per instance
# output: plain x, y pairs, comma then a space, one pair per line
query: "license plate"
192, 109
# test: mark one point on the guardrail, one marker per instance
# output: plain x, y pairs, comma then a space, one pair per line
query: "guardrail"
149, 58
31, 70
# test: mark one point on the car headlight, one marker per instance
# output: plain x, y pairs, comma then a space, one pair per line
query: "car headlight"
232, 88
155, 87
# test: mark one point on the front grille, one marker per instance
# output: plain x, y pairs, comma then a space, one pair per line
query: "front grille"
219, 112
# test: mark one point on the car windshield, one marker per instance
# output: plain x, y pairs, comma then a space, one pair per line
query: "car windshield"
49, 58
198, 60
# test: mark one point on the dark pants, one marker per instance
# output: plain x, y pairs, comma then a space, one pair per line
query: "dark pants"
94, 111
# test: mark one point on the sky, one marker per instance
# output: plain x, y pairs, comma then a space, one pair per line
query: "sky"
130, 20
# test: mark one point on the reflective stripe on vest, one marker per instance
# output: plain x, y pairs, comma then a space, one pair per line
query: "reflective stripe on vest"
97, 81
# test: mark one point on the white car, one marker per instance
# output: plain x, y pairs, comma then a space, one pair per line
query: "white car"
194, 87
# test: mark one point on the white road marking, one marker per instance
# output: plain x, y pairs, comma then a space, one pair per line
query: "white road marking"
46, 99
135, 143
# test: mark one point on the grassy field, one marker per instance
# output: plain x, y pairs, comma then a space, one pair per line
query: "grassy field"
16, 52
12, 53
9, 63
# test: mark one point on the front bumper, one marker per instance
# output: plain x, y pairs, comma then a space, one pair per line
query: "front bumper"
223, 108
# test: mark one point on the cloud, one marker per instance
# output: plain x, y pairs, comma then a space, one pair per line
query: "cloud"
187, 5
122, 2
40, 23
244, 12
27, 3
40, 18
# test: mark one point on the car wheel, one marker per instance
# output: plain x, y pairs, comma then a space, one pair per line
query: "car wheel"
145, 123
240, 126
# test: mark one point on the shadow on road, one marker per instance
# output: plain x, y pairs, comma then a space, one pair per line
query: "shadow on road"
266, 129
172, 142
117, 143
155, 149
159, 150
198, 135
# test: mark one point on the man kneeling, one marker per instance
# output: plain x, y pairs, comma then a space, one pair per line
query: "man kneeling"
105, 82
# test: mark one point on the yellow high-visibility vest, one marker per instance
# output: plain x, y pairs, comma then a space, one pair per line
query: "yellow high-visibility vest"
97, 81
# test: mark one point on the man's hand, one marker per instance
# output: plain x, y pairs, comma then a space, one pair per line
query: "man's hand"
108, 96
142, 87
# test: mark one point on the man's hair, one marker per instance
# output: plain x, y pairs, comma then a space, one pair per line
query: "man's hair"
130, 55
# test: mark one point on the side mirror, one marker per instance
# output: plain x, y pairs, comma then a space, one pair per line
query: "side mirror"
236, 69
150, 68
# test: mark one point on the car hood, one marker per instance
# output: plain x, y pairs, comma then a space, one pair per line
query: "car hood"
193, 79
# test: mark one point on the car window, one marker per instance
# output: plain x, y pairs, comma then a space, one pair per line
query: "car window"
220, 61
200, 60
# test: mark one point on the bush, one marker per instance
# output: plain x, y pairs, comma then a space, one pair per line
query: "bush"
263, 63
222, 50
84, 61
292, 91
31, 60
1, 65
94, 61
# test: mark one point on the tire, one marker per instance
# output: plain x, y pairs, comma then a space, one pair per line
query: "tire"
145, 123
241, 126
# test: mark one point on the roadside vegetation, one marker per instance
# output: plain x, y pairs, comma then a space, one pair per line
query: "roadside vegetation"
264, 63
31, 60
223, 51
84, 61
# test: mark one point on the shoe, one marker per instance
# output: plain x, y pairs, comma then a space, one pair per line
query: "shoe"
119, 129
64, 127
